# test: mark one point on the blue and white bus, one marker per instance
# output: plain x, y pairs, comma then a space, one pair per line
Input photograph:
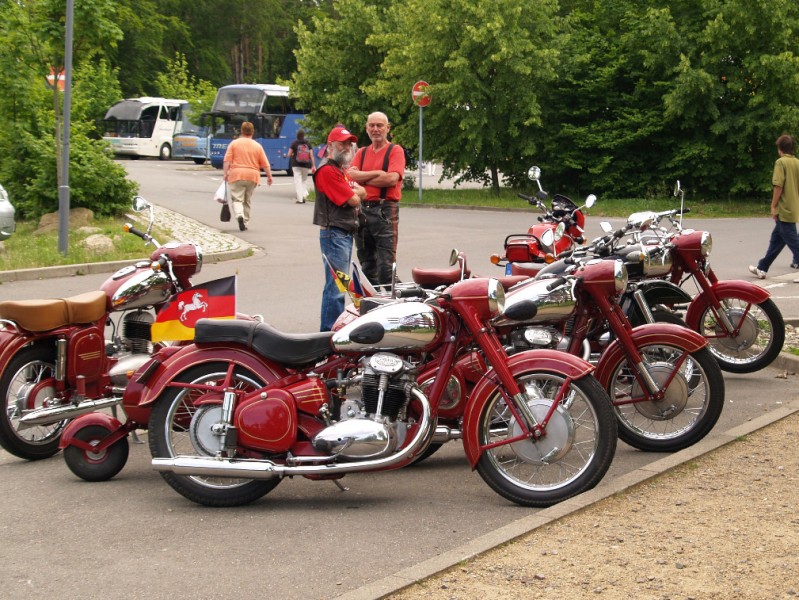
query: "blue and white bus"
267, 107
193, 140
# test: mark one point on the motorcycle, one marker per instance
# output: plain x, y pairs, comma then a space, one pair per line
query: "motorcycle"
744, 328
246, 405
666, 389
55, 361
558, 231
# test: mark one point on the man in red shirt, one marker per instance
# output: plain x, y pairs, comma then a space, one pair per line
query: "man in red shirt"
242, 166
336, 213
379, 168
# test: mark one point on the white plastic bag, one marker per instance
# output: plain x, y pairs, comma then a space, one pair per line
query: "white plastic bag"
220, 195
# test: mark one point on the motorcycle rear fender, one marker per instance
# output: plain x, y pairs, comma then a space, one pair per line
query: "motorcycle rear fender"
10, 344
649, 333
95, 418
658, 291
552, 361
150, 381
730, 288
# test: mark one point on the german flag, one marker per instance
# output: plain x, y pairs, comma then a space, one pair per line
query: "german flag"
211, 300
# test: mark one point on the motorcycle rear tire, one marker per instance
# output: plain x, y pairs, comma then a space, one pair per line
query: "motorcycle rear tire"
524, 472
648, 434
165, 426
96, 466
24, 443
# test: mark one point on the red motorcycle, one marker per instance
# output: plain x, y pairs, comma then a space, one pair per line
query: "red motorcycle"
558, 231
666, 389
744, 327
55, 360
246, 405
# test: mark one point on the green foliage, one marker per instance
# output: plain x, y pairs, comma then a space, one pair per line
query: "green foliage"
176, 82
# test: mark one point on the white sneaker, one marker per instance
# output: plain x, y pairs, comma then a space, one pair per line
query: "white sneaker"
757, 272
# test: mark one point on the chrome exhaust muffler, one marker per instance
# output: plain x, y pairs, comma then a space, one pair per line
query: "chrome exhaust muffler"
207, 466
48, 416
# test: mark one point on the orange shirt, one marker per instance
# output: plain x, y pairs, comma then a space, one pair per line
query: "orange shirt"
246, 158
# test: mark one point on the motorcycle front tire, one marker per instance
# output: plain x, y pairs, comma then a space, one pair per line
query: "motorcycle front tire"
169, 436
638, 423
572, 456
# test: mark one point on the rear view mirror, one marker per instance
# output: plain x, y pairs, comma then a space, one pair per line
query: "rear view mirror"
534, 173
606, 227
590, 201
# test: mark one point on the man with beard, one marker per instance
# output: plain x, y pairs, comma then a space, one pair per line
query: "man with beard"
336, 212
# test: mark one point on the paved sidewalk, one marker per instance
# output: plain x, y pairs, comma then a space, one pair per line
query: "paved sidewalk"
216, 247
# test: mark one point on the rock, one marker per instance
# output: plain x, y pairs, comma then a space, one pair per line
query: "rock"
78, 217
89, 230
98, 243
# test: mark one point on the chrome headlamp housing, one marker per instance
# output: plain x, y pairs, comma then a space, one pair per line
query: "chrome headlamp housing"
496, 297
620, 276
706, 244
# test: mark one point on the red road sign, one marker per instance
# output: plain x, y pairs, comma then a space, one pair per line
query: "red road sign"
421, 93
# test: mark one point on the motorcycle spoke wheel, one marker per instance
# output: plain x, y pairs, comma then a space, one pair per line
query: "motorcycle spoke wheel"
689, 409
27, 384
571, 457
96, 466
759, 340
180, 427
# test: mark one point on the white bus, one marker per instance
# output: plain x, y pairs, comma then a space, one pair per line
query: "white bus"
144, 126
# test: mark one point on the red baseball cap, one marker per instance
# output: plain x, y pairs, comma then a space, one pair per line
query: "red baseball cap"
340, 134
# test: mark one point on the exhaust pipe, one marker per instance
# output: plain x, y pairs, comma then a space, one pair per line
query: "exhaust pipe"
48, 416
265, 469
445, 434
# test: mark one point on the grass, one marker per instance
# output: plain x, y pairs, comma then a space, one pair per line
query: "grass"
26, 250
605, 207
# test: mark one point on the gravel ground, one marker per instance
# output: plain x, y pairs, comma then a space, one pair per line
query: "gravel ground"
722, 526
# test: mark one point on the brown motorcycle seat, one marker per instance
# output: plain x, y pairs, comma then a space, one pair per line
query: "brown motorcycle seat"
436, 277
51, 313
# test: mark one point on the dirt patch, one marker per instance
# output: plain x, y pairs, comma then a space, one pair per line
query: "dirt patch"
722, 526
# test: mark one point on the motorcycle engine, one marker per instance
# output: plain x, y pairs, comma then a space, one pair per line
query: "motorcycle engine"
379, 427
136, 332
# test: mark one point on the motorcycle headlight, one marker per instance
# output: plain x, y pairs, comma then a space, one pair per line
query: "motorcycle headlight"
620, 276
496, 297
706, 245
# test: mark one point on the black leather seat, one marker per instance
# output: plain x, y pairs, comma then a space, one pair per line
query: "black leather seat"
288, 349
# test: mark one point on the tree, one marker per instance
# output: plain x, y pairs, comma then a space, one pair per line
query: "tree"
335, 67
176, 82
486, 62
31, 42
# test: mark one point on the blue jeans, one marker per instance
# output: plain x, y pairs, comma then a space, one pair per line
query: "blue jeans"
336, 244
783, 234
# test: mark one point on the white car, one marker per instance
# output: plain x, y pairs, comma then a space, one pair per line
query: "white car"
7, 223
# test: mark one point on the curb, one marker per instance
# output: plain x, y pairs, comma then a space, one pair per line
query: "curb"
407, 577
107, 267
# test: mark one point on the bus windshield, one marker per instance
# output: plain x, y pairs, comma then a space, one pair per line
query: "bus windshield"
267, 107
144, 126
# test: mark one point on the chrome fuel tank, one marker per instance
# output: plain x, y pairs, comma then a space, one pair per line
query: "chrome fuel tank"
553, 305
410, 326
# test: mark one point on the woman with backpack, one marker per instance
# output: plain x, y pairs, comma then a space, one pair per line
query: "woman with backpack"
302, 162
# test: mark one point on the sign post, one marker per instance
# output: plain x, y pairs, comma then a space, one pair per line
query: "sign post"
421, 98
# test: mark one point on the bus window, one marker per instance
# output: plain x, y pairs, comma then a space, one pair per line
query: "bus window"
143, 126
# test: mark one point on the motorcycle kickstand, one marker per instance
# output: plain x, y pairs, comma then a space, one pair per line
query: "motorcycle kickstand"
340, 486
134, 438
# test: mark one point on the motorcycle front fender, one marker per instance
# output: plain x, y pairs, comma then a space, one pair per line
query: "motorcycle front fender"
643, 335
730, 288
149, 382
552, 361
95, 418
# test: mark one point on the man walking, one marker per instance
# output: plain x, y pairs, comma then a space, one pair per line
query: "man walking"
784, 208
379, 168
242, 166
